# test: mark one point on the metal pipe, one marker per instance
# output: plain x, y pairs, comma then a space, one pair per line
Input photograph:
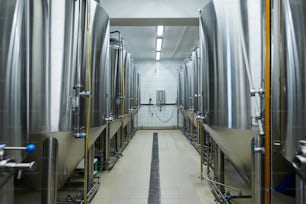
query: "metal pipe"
201, 150
300, 190
257, 170
267, 102
49, 175
88, 73
219, 166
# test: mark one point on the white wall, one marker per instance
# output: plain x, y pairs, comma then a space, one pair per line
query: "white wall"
158, 76
153, 8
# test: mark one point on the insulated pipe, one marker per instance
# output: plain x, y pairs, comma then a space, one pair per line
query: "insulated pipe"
267, 102
257, 170
49, 174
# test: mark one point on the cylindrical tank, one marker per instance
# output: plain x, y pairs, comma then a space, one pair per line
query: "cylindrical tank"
13, 82
288, 79
53, 47
133, 85
231, 62
115, 64
189, 85
13, 76
60, 62
181, 84
196, 79
138, 96
127, 81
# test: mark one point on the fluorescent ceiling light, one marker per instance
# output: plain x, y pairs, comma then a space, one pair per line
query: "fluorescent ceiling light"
159, 42
160, 30
157, 56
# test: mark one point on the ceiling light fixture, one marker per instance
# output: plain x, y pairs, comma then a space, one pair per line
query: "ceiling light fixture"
157, 56
159, 42
160, 30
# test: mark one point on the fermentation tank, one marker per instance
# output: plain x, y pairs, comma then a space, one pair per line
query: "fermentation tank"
189, 88
231, 42
116, 68
181, 84
196, 79
138, 97
288, 90
127, 81
61, 69
133, 87
229, 48
13, 76
13, 102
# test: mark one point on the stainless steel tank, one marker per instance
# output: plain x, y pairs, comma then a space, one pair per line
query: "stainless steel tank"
133, 88
231, 42
13, 82
288, 78
116, 66
196, 79
127, 81
228, 48
189, 85
58, 60
13, 76
138, 95
181, 90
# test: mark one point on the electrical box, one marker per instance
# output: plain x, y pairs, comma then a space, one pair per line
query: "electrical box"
160, 97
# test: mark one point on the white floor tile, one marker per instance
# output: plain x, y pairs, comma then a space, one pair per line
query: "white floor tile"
128, 182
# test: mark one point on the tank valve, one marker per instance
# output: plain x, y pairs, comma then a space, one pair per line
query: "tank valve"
260, 92
299, 161
109, 119
75, 106
201, 116
10, 163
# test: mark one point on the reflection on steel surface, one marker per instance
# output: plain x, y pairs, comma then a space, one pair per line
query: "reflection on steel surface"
227, 45
288, 100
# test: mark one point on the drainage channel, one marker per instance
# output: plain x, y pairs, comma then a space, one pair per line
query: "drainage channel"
154, 188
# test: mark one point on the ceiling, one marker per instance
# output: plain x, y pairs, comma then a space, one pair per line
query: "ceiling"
141, 41
137, 21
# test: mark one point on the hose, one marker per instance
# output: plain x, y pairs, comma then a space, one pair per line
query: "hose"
168, 119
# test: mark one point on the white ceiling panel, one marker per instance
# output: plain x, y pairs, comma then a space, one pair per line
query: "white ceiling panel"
141, 41
136, 20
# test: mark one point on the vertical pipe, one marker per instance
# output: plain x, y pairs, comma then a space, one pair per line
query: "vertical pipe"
257, 171
300, 190
267, 113
219, 166
123, 94
49, 176
107, 143
201, 149
88, 85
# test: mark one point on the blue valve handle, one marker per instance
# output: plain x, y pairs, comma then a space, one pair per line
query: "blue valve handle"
29, 148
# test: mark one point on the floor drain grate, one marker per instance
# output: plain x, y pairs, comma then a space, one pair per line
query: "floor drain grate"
154, 188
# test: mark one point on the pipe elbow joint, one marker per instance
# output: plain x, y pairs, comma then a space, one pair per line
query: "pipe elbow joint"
299, 162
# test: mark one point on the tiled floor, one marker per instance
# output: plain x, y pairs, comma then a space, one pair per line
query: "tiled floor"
128, 182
